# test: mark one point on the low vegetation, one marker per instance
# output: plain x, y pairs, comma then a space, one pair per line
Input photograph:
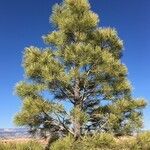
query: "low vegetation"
103, 141
31, 145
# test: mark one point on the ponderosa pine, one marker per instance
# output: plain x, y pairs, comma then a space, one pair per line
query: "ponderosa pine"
78, 83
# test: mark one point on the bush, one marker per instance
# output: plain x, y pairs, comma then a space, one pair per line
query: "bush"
63, 143
139, 142
126, 143
103, 141
143, 141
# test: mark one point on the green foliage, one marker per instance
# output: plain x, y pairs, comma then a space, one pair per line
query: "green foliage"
139, 142
63, 144
127, 143
97, 141
79, 115
143, 141
82, 66
130, 121
104, 141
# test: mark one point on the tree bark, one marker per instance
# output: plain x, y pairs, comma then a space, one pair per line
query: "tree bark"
77, 105
77, 129
50, 141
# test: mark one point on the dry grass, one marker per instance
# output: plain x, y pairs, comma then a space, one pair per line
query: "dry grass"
23, 140
21, 144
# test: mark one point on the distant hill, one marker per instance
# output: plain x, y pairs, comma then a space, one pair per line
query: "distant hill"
7, 133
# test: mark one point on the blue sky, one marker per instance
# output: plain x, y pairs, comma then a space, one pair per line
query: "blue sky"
23, 22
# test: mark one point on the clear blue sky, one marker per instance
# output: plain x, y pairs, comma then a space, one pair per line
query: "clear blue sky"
23, 22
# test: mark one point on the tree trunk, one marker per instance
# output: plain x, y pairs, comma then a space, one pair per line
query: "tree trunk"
50, 141
77, 105
77, 129
47, 147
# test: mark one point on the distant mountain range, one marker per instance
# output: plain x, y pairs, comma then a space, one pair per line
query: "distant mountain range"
7, 133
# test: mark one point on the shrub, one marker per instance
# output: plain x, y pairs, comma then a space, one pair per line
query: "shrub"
97, 141
103, 140
143, 141
126, 143
139, 142
63, 143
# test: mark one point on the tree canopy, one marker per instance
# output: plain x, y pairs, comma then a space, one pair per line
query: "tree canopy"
77, 84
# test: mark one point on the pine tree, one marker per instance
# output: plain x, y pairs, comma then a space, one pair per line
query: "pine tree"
77, 84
